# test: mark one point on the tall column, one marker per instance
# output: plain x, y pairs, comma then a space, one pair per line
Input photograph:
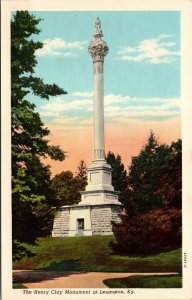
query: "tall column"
98, 49
99, 190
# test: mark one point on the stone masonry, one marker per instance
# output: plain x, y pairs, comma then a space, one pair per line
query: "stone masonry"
100, 216
101, 219
61, 222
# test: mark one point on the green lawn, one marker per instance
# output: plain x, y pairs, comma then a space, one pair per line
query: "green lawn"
139, 281
19, 286
93, 254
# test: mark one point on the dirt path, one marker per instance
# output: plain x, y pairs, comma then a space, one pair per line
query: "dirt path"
52, 279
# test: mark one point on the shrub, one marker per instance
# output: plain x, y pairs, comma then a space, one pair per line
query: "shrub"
156, 231
19, 250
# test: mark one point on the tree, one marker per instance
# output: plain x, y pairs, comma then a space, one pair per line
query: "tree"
82, 175
30, 178
119, 175
66, 187
170, 183
145, 171
153, 221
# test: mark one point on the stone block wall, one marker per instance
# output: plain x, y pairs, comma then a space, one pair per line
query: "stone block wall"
101, 217
100, 220
61, 222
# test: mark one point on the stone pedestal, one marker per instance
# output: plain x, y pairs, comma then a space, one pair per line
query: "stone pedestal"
96, 220
99, 189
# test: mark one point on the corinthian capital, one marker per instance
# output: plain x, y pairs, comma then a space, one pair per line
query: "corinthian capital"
98, 48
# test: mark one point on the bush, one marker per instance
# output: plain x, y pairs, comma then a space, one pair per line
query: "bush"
156, 231
19, 250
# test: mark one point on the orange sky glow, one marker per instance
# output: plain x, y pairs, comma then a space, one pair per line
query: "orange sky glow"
124, 139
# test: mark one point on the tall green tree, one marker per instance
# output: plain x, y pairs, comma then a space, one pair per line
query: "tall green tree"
30, 178
170, 183
154, 220
119, 175
145, 172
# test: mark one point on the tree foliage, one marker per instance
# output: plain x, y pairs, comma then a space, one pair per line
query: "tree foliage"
170, 183
119, 175
82, 174
153, 204
156, 231
30, 178
66, 187
145, 172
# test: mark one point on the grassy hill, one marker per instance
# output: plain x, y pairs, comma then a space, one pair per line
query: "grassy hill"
93, 254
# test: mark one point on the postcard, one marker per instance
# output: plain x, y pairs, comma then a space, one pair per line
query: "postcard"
96, 149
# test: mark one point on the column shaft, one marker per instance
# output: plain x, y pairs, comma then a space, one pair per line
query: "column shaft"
99, 148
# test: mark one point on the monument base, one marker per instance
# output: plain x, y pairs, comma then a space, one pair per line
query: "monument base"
86, 220
99, 206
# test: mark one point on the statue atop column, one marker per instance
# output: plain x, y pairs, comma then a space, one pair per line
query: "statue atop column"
98, 48
98, 27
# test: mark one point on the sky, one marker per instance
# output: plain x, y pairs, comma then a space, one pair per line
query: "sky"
141, 81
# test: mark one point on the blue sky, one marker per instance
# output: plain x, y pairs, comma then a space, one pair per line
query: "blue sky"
141, 70
143, 58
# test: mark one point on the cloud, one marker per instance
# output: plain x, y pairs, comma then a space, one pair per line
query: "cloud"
83, 94
61, 104
60, 47
154, 51
73, 121
70, 123
49, 114
125, 108
113, 99
76, 109
127, 101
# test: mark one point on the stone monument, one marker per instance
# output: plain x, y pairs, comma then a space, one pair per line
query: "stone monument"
99, 203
